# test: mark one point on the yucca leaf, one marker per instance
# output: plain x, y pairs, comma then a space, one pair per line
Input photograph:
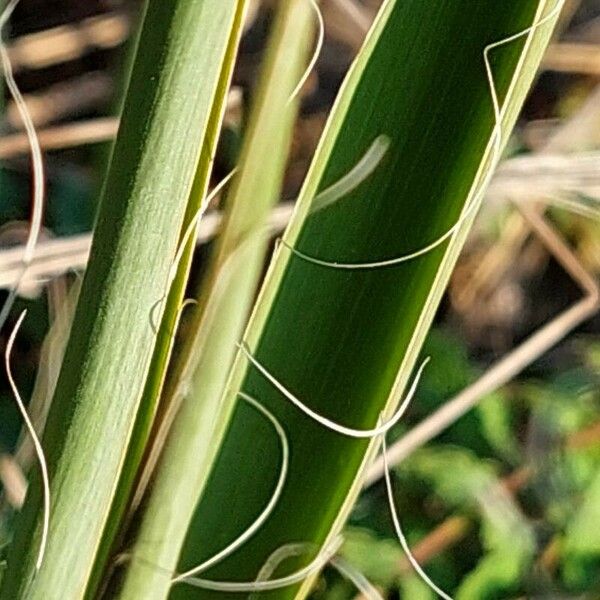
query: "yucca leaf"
163, 128
125, 500
345, 341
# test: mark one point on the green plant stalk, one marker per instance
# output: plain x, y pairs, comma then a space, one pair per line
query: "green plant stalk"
346, 341
149, 410
198, 377
110, 348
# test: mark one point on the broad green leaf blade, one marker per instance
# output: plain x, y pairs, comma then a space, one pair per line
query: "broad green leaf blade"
345, 341
108, 355
196, 380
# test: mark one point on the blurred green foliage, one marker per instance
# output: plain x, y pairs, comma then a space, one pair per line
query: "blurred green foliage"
541, 541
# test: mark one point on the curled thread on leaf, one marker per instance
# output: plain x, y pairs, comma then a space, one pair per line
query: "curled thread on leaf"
272, 584
192, 225
189, 231
391, 262
380, 430
36, 160
283, 553
349, 182
153, 324
316, 52
328, 423
209, 311
413, 561
472, 205
187, 302
36, 441
362, 584
277, 557
261, 584
7, 12
264, 515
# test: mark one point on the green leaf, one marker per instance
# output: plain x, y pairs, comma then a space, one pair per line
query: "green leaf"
345, 341
378, 559
496, 424
582, 536
460, 479
456, 475
414, 587
489, 426
496, 576
107, 359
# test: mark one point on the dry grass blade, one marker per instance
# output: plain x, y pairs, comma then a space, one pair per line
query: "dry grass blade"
62, 136
67, 42
13, 480
574, 58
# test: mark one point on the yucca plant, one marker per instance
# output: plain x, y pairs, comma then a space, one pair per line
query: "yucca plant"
160, 462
